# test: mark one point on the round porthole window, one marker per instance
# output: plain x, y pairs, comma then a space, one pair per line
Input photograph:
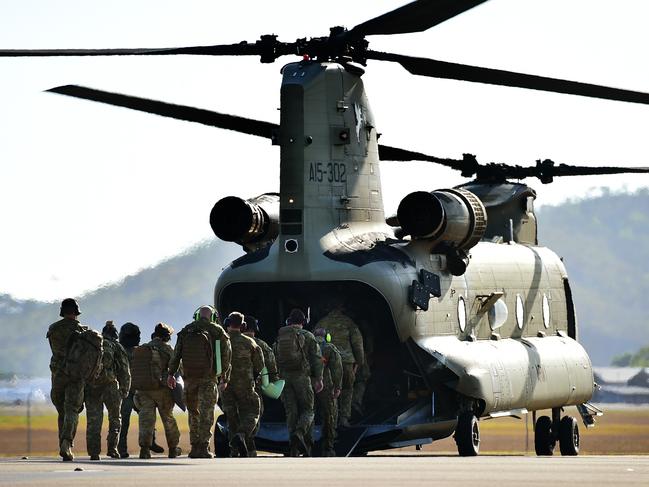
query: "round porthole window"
546, 311
520, 312
498, 314
461, 314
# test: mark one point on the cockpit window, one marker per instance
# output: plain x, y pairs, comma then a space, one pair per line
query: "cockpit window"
546, 311
520, 312
461, 313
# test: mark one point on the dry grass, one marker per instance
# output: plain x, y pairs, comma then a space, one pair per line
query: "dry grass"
619, 431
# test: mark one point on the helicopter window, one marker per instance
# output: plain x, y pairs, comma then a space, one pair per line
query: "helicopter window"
461, 313
520, 312
498, 314
546, 312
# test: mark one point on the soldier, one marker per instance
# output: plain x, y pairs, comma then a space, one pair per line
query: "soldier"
129, 338
159, 395
108, 389
349, 341
364, 372
251, 328
300, 363
67, 393
240, 400
196, 348
332, 377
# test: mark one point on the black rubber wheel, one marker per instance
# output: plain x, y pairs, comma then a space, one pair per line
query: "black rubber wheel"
544, 441
569, 436
467, 435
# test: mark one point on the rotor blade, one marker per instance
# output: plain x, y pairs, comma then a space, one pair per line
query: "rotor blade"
568, 170
443, 69
178, 112
413, 17
241, 49
387, 153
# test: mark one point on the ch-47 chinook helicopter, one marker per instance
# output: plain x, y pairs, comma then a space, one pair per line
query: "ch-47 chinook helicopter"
468, 316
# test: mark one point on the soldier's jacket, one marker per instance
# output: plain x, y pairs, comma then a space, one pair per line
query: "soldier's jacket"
332, 375
58, 335
247, 359
345, 335
269, 359
115, 365
166, 353
312, 356
216, 332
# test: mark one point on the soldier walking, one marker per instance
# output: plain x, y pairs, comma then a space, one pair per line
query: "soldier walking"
251, 328
150, 368
332, 377
67, 393
348, 339
240, 400
199, 345
300, 363
108, 389
129, 338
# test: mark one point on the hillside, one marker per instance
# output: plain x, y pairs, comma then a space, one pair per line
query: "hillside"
169, 292
605, 245
603, 242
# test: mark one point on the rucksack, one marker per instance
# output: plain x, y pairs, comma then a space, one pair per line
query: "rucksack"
83, 358
107, 373
290, 349
197, 353
146, 369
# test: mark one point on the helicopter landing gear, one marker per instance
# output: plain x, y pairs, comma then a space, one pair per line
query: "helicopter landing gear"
547, 431
569, 436
467, 434
544, 440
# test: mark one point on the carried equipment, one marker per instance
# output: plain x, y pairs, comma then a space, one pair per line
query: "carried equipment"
197, 352
83, 359
146, 369
290, 349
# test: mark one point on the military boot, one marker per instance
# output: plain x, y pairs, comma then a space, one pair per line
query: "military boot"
155, 448
112, 453
297, 441
145, 453
174, 452
65, 451
239, 445
200, 451
94, 456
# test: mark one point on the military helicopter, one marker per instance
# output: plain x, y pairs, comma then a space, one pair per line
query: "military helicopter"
469, 317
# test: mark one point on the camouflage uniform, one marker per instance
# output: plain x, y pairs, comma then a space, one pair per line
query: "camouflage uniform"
273, 375
332, 377
364, 372
200, 393
67, 394
161, 398
108, 389
240, 400
297, 397
349, 342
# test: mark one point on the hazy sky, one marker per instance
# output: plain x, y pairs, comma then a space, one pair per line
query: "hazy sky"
91, 193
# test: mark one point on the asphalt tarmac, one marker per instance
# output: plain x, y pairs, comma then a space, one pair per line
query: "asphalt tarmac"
388, 470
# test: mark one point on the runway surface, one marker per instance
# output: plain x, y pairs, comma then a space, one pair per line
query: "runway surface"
388, 470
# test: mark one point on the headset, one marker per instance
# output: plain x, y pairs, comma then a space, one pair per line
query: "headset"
214, 317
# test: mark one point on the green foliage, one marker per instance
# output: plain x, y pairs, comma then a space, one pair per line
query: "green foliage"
622, 360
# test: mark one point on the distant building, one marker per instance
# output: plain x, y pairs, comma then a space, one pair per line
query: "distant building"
622, 385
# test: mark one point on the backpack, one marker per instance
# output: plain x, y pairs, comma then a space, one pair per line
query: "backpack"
83, 358
290, 349
107, 373
197, 353
146, 369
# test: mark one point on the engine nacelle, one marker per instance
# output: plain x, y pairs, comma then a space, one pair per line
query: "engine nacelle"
455, 217
251, 223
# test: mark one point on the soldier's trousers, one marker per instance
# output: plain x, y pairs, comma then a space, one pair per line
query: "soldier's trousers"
297, 398
241, 405
360, 385
96, 396
200, 398
345, 399
328, 409
67, 397
147, 402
